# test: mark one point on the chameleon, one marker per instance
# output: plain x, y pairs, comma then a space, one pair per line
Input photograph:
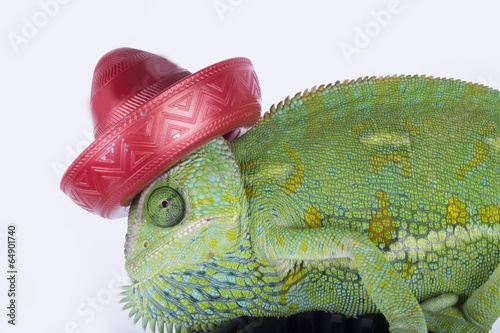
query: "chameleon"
376, 195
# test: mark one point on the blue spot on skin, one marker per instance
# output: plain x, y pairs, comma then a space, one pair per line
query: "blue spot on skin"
364, 108
356, 91
423, 206
259, 230
342, 101
213, 178
341, 210
402, 195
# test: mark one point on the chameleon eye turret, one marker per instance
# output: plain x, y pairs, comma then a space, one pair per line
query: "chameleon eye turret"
148, 114
165, 207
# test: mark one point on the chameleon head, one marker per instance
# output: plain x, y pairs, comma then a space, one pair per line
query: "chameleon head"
178, 228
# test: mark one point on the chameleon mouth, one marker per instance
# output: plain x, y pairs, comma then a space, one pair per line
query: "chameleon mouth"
187, 230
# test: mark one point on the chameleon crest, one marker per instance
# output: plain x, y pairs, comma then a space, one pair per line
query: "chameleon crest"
375, 195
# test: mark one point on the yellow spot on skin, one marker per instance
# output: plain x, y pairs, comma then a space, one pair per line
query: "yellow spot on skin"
297, 178
369, 287
292, 278
488, 128
250, 165
357, 258
204, 201
383, 139
229, 197
489, 214
410, 127
281, 240
480, 154
456, 212
379, 160
213, 243
339, 244
384, 284
360, 128
304, 246
493, 290
231, 235
408, 270
477, 317
382, 226
293, 308
483, 299
188, 173
249, 193
312, 216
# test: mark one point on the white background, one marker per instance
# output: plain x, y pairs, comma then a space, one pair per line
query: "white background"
70, 262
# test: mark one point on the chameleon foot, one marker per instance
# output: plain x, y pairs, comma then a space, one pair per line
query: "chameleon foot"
483, 306
440, 302
442, 315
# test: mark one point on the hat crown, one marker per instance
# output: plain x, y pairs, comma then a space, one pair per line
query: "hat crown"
126, 78
149, 114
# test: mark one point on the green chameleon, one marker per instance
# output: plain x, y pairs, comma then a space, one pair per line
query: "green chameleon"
380, 195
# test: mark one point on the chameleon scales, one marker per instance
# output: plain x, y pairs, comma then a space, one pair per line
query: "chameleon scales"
368, 196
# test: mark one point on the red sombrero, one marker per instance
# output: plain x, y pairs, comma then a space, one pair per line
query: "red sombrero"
148, 114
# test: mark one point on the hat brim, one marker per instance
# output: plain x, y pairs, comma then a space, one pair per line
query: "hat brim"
117, 166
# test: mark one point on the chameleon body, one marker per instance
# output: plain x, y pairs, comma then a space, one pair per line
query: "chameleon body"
375, 195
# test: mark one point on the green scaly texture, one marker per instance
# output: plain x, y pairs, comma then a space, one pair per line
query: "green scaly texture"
368, 196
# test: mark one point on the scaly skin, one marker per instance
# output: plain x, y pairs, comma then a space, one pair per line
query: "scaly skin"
362, 197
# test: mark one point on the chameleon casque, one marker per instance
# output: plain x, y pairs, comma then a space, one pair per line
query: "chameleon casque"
374, 195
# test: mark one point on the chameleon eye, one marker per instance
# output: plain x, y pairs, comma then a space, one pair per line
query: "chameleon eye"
165, 207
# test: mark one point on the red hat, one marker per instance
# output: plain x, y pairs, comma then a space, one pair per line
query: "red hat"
148, 114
